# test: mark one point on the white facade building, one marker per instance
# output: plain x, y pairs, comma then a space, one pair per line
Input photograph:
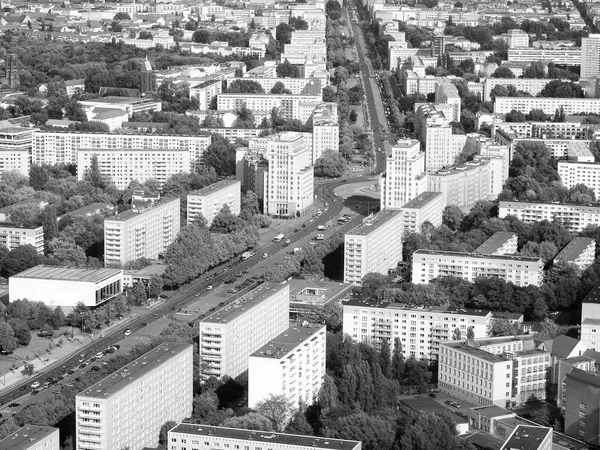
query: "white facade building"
446, 93
326, 130
573, 173
427, 207
581, 252
128, 408
292, 364
32, 437
231, 334
373, 247
205, 92
590, 56
288, 106
15, 149
549, 105
13, 236
441, 146
65, 287
570, 56
209, 200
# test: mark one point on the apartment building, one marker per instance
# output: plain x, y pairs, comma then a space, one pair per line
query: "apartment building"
581, 252
375, 246
516, 39
574, 217
487, 148
589, 333
326, 130
232, 333
442, 146
193, 437
292, 364
590, 56
581, 400
32, 437
295, 85
288, 106
518, 270
206, 91
426, 207
589, 361
404, 177
15, 149
418, 329
251, 169
569, 56
463, 185
13, 236
446, 93
573, 173
144, 231
62, 147
290, 177
209, 200
128, 408
500, 243
549, 105
532, 86
500, 371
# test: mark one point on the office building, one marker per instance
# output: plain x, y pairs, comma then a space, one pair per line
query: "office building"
404, 177
446, 93
581, 252
15, 149
569, 56
189, 436
209, 200
500, 243
232, 333
375, 246
128, 408
573, 217
13, 236
205, 92
549, 105
144, 231
426, 207
290, 177
487, 148
32, 437
590, 56
518, 270
581, 405
499, 371
326, 130
65, 287
573, 173
419, 329
288, 105
292, 365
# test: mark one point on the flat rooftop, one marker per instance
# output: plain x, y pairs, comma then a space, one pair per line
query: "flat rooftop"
378, 220
494, 243
475, 255
27, 437
585, 377
575, 248
90, 209
520, 204
316, 291
493, 411
21, 227
243, 303
422, 200
134, 370
42, 272
527, 437
212, 188
473, 351
421, 405
130, 214
290, 440
416, 308
286, 342
593, 296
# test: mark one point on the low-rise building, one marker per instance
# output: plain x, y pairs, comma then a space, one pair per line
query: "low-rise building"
13, 236
519, 270
65, 287
500, 243
581, 252
209, 200
375, 246
32, 437
292, 364
426, 207
128, 408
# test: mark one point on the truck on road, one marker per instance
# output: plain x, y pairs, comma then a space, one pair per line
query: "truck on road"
279, 237
296, 250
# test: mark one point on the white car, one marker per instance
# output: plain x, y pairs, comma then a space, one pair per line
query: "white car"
209, 287
127, 332
99, 354
35, 385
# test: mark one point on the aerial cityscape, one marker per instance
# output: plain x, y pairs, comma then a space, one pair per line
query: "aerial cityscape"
297, 225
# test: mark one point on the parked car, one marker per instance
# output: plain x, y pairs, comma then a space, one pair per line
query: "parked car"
35, 385
127, 332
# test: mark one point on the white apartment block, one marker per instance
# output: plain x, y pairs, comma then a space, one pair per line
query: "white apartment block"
548, 105
128, 408
573, 173
13, 236
573, 217
193, 437
145, 231
62, 147
519, 270
446, 93
209, 200
516, 38
232, 333
373, 247
441, 146
488, 149
15, 149
290, 179
292, 364
295, 85
500, 243
581, 252
590, 56
32, 437
532, 86
288, 106
497, 371
205, 92
419, 329
404, 177
426, 207
589, 333
326, 130
570, 56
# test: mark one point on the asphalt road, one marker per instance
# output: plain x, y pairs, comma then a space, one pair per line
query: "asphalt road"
190, 293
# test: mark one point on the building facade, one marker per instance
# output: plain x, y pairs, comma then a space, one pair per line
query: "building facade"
145, 231
590, 56
446, 93
573, 173
231, 334
581, 400
375, 246
581, 252
549, 105
13, 236
292, 364
32, 437
15, 149
326, 130
570, 56
205, 92
288, 106
426, 207
209, 200
128, 408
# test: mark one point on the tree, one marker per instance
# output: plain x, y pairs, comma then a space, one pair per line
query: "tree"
220, 155
277, 408
452, 217
8, 342
299, 425
397, 365
536, 115
38, 177
21, 331
536, 69
503, 72
431, 431
287, 70
245, 118
138, 295
562, 89
67, 252
330, 165
20, 259
374, 432
224, 221
164, 430
245, 87
95, 176
514, 116
155, 286
279, 88
250, 421
122, 16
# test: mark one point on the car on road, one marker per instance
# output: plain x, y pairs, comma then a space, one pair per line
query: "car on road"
13, 405
288, 241
72, 371
99, 354
265, 255
127, 332
451, 403
116, 346
196, 295
35, 385
209, 287
37, 391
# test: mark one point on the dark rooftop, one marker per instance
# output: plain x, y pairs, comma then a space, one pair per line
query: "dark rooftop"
593, 296
574, 248
150, 206
27, 437
23, 227
584, 376
67, 274
422, 200
373, 223
404, 306
211, 188
527, 438
493, 244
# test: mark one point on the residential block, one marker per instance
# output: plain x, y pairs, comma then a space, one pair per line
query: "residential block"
209, 200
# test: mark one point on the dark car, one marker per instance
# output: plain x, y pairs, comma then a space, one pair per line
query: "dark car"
117, 346
35, 392
13, 405
95, 368
23, 388
71, 372
82, 365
